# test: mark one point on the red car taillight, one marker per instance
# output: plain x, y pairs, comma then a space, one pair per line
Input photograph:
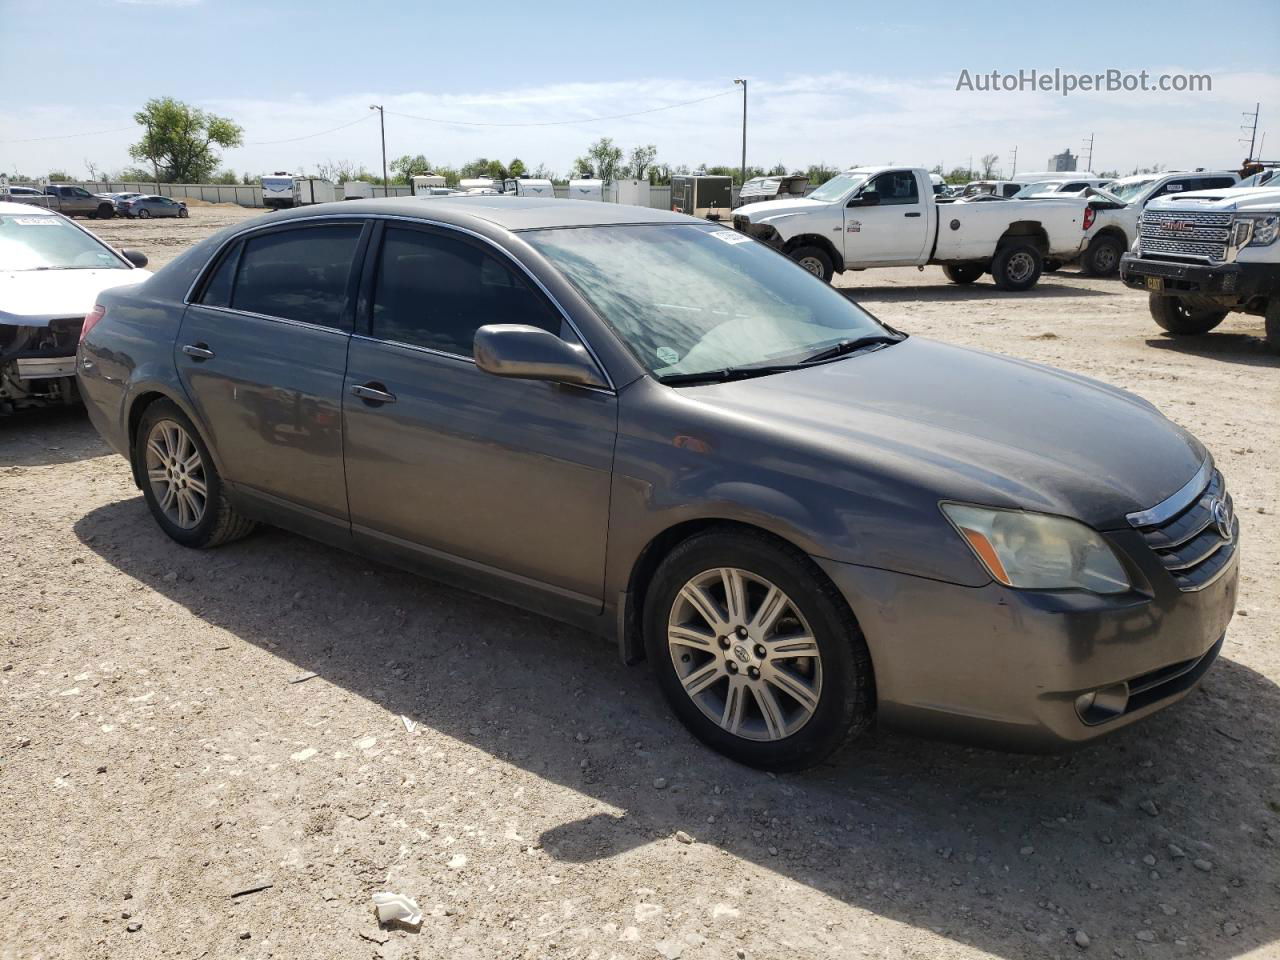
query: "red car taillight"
91, 319
1089, 215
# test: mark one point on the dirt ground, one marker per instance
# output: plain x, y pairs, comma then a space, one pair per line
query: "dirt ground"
180, 727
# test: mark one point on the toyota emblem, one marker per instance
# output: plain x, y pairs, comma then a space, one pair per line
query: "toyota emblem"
1221, 516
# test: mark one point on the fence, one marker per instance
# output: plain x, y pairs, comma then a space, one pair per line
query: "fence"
250, 195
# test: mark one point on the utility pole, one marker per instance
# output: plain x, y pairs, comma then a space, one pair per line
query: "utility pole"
382, 124
1089, 146
1015, 163
1252, 128
744, 130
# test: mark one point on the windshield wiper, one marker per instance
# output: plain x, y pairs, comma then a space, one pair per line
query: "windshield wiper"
725, 374
846, 347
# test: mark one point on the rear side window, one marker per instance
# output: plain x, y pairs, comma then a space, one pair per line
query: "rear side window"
302, 274
433, 290
1216, 183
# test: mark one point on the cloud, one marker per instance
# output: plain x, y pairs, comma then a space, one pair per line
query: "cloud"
159, 3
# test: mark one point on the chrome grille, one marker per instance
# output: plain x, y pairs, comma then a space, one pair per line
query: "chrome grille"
1202, 236
1189, 543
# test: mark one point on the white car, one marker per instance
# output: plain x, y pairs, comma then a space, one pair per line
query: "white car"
51, 272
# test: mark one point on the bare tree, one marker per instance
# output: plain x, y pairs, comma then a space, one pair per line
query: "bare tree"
989, 161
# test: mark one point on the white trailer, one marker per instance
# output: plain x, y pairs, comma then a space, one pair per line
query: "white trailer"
586, 189
529, 187
277, 191
632, 192
311, 190
424, 182
479, 185
357, 190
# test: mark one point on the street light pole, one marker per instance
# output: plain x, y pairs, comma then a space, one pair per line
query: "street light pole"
744, 130
382, 125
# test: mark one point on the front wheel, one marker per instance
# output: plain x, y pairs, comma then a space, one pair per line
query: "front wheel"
144, 214
1016, 266
756, 651
816, 261
180, 482
1180, 318
106, 211
1272, 320
963, 273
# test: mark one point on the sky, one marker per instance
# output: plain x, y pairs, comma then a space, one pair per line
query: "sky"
861, 84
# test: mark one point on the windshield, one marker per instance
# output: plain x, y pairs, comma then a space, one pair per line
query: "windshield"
36, 242
1127, 190
689, 299
1259, 179
837, 187
1042, 186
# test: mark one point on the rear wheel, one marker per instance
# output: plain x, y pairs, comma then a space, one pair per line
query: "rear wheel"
1102, 259
815, 260
180, 482
1180, 318
106, 211
755, 650
963, 272
182, 212
1017, 266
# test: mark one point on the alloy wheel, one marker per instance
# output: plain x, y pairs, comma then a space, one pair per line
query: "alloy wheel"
744, 654
176, 473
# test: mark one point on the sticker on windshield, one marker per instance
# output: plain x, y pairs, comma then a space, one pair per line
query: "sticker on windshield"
34, 221
667, 355
730, 236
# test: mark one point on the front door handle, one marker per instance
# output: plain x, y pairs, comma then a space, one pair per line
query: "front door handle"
198, 351
915, 214
373, 393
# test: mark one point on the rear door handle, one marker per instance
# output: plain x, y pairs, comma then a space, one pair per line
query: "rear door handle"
916, 214
373, 393
198, 351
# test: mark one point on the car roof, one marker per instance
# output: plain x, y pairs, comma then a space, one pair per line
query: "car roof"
509, 212
26, 209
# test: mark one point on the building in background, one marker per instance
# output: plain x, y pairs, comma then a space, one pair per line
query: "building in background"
1064, 162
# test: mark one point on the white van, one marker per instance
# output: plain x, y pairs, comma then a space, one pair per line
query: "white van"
586, 189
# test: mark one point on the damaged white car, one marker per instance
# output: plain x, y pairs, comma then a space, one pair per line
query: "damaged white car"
51, 271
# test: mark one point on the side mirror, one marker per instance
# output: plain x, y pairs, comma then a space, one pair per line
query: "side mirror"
136, 257
868, 198
530, 353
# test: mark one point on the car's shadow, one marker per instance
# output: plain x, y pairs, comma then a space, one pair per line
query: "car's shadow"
1247, 349
956, 293
1008, 854
43, 437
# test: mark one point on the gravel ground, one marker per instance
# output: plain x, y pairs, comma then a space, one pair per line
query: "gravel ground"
179, 728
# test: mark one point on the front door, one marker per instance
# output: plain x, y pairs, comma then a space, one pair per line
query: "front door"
894, 230
509, 478
262, 353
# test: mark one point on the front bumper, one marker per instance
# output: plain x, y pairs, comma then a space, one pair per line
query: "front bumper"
1240, 281
758, 231
1006, 667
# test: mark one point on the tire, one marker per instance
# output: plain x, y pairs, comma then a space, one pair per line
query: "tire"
1102, 259
144, 214
831, 671
165, 429
1017, 267
963, 273
182, 213
815, 260
1272, 322
106, 212
1176, 316
1052, 266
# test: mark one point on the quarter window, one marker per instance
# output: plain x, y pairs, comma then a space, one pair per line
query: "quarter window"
217, 291
302, 274
435, 291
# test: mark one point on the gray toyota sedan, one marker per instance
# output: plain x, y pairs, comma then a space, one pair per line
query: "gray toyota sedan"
667, 433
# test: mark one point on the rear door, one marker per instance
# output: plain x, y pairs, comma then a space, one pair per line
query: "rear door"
893, 231
448, 464
262, 352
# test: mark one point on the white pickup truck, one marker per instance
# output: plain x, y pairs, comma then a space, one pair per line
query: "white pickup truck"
1202, 255
888, 217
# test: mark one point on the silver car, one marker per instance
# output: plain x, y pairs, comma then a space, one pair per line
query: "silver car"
143, 206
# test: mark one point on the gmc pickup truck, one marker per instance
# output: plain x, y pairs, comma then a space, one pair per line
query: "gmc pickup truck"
888, 217
1201, 255
67, 200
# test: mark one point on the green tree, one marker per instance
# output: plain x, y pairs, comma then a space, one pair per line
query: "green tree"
640, 160
180, 139
603, 160
820, 173
516, 168
406, 167
226, 177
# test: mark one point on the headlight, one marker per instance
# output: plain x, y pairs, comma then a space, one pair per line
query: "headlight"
1033, 551
1265, 230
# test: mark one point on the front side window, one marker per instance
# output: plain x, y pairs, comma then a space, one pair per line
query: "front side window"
40, 241
434, 290
896, 187
689, 299
302, 274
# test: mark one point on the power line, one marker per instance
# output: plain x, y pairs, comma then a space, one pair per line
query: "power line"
560, 123
309, 136
69, 136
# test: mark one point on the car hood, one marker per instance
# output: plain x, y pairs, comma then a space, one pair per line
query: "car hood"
1260, 199
769, 210
31, 298
977, 427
